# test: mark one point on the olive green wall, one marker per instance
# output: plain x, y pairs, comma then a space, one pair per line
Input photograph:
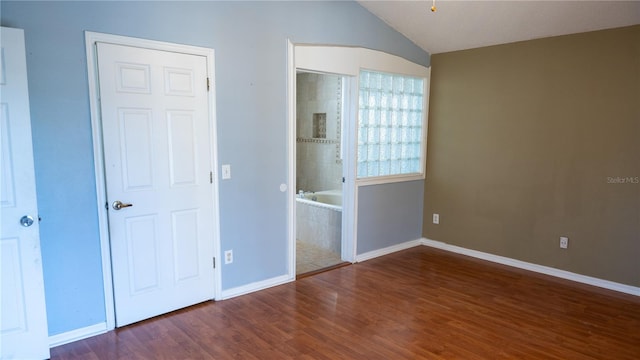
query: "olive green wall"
535, 140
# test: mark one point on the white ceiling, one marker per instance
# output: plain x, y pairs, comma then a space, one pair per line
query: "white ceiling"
459, 25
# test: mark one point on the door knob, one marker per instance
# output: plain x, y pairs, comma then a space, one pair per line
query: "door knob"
117, 205
26, 221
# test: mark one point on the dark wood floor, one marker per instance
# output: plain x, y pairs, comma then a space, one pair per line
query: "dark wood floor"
420, 303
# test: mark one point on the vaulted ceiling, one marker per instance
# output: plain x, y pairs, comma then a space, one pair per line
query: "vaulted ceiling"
459, 25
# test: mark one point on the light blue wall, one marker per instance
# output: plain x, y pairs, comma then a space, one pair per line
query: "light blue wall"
250, 43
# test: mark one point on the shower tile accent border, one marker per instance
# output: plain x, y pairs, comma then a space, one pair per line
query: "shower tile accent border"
317, 141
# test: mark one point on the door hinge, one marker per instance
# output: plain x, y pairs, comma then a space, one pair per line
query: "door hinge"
210, 177
214, 262
208, 84
343, 179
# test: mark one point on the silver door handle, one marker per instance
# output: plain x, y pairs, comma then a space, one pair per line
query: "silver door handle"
26, 221
117, 205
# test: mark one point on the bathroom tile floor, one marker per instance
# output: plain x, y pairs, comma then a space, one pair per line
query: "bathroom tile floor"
310, 257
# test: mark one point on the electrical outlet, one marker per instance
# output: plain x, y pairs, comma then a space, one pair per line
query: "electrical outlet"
228, 257
226, 172
564, 242
436, 218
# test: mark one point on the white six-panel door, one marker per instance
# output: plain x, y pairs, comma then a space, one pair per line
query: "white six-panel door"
158, 158
23, 318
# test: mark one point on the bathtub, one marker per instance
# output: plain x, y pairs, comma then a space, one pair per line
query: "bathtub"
328, 197
319, 219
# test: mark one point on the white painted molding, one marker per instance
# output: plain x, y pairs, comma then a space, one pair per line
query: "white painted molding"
256, 286
291, 158
91, 38
98, 157
606, 284
349, 60
388, 250
77, 334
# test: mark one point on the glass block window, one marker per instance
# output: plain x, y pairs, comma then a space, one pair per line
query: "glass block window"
390, 124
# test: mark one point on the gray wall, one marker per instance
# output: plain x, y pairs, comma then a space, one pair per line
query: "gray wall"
389, 214
249, 39
536, 140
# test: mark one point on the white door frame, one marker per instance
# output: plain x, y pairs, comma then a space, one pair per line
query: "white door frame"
349, 209
90, 40
346, 61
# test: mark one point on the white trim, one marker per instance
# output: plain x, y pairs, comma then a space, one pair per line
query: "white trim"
291, 158
349, 189
256, 286
319, 65
98, 162
390, 179
606, 284
77, 334
98, 152
388, 250
349, 60
213, 132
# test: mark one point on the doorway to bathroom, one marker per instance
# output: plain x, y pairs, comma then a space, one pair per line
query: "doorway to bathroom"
320, 105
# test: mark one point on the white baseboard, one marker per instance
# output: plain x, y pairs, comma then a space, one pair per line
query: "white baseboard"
259, 285
627, 289
388, 250
97, 329
77, 334
101, 328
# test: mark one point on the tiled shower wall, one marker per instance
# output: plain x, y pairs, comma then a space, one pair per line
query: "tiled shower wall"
318, 162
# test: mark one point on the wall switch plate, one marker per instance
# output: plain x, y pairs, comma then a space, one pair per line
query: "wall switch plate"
228, 257
564, 242
226, 172
436, 218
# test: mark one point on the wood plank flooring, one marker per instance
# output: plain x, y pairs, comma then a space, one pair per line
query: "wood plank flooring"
420, 303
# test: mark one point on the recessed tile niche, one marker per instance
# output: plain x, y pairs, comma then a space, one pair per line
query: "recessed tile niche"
320, 125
